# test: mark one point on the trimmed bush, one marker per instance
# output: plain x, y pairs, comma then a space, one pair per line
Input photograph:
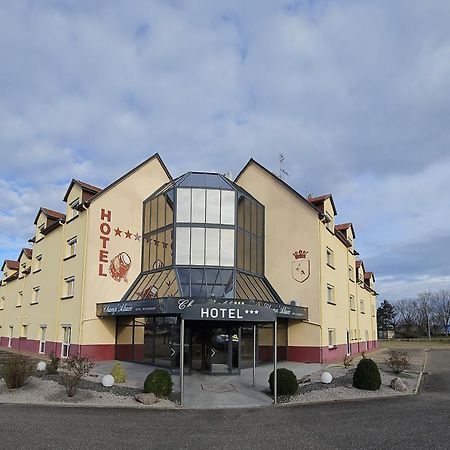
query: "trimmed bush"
159, 382
367, 376
286, 382
16, 370
119, 374
52, 367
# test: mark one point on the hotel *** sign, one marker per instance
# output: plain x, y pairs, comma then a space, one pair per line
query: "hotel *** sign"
204, 309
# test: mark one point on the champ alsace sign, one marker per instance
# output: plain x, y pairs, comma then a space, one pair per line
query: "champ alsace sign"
204, 309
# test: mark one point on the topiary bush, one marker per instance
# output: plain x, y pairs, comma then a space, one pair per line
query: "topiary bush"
367, 376
286, 382
16, 370
119, 374
159, 382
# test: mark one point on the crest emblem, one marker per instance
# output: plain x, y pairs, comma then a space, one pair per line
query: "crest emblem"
301, 267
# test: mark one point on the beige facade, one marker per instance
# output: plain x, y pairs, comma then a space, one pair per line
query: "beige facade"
92, 254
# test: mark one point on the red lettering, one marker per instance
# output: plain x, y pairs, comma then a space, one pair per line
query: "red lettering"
105, 228
103, 256
100, 270
105, 215
104, 239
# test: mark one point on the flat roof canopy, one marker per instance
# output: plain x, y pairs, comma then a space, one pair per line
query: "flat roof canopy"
204, 309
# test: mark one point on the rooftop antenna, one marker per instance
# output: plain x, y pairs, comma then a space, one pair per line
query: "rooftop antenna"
282, 171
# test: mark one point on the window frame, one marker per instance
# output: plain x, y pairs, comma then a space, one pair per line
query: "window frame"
332, 342
74, 213
330, 257
35, 295
71, 247
330, 288
42, 334
65, 344
69, 281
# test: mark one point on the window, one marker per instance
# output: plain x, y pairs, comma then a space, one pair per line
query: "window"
24, 331
73, 208
351, 273
72, 247
352, 303
10, 336
331, 338
373, 310
19, 299
70, 286
67, 335
367, 339
330, 294
2, 302
41, 230
43, 329
35, 295
362, 306
330, 257
38, 263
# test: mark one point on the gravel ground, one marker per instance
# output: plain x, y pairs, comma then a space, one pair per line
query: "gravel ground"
39, 390
341, 387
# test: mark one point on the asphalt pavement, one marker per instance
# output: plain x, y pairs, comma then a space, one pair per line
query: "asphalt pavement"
408, 422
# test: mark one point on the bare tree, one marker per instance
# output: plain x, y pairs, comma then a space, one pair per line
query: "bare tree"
408, 315
425, 306
442, 309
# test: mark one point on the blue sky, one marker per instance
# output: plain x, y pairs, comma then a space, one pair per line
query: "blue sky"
354, 93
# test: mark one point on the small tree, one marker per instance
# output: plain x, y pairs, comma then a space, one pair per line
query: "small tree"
159, 382
287, 383
119, 374
16, 370
76, 366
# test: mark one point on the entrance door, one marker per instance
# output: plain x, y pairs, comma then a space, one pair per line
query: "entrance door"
215, 349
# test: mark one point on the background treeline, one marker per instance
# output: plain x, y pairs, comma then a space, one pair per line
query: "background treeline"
426, 314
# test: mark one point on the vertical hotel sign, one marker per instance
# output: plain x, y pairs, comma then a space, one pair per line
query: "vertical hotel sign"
105, 231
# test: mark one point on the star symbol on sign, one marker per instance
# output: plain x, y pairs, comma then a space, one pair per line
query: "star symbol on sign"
118, 232
128, 234
256, 312
246, 311
137, 237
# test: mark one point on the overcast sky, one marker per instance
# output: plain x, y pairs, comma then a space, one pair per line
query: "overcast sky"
356, 94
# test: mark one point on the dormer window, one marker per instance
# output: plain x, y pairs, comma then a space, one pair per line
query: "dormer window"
73, 208
41, 229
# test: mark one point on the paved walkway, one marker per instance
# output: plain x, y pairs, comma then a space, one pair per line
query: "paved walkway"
214, 391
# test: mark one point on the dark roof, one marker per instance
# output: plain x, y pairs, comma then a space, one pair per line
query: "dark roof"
320, 199
342, 238
369, 275
345, 226
14, 276
279, 180
85, 186
116, 182
55, 215
11, 264
28, 253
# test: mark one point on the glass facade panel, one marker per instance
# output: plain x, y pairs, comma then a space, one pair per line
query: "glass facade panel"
161, 211
167, 244
227, 247
183, 245
154, 214
212, 247
213, 206
198, 246
198, 205
227, 207
183, 205
146, 217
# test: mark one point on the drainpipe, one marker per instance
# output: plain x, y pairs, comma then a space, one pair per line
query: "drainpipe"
83, 285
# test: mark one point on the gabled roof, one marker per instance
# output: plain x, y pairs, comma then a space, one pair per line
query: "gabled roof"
344, 227
116, 182
321, 199
360, 264
28, 253
368, 275
85, 186
55, 215
279, 180
10, 264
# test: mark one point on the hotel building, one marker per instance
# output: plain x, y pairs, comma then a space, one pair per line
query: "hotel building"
116, 274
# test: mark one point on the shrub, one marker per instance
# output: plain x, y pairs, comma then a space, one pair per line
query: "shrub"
53, 365
367, 376
76, 366
119, 374
348, 361
398, 361
286, 382
16, 370
159, 382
